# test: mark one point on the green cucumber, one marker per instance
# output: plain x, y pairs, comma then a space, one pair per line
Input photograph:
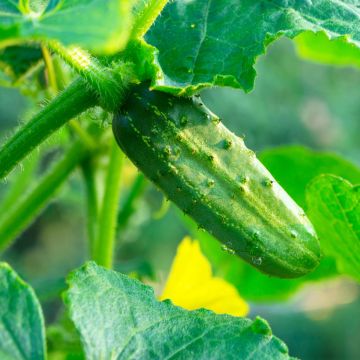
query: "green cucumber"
213, 177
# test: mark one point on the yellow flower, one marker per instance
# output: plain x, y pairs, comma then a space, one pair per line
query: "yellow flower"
191, 284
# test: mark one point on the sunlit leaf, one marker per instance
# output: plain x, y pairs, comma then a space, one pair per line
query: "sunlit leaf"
205, 43
318, 47
334, 208
21, 321
120, 318
97, 25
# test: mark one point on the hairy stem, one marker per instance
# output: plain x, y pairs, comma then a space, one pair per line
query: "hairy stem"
146, 14
56, 76
105, 242
26, 208
108, 82
68, 104
82, 62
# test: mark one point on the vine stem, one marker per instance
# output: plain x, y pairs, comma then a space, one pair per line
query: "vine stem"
147, 12
109, 82
105, 242
56, 76
21, 214
74, 100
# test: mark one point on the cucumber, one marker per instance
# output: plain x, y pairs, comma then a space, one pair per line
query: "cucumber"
214, 178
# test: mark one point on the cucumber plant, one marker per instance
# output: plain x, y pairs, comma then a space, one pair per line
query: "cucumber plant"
120, 60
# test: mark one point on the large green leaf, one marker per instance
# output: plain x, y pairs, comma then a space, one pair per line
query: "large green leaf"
205, 43
120, 318
334, 209
98, 25
295, 166
21, 320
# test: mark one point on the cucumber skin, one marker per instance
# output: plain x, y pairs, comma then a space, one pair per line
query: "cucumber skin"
210, 174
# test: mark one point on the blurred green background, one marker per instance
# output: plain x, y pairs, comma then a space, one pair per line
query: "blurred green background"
294, 102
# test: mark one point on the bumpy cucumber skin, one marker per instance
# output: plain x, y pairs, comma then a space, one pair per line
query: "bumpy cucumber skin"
214, 178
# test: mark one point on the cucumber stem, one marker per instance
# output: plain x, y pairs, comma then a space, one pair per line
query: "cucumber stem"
108, 82
27, 207
54, 78
74, 100
105, 243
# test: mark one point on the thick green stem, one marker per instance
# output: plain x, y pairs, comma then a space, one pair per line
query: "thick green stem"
92, 203
70, 103
56, 76
24, 211
146, 14
109, 83
80, 60
129, 205
107, 220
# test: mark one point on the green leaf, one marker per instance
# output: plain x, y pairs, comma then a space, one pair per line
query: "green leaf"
334, 209
205, 43
97, 25
295, 166
318, 47
119, 318
21, 319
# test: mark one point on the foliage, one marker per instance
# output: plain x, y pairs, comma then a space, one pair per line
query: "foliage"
23, 21
334, 209
211, 28
316, 46
22, 324
82, 59
143, 327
